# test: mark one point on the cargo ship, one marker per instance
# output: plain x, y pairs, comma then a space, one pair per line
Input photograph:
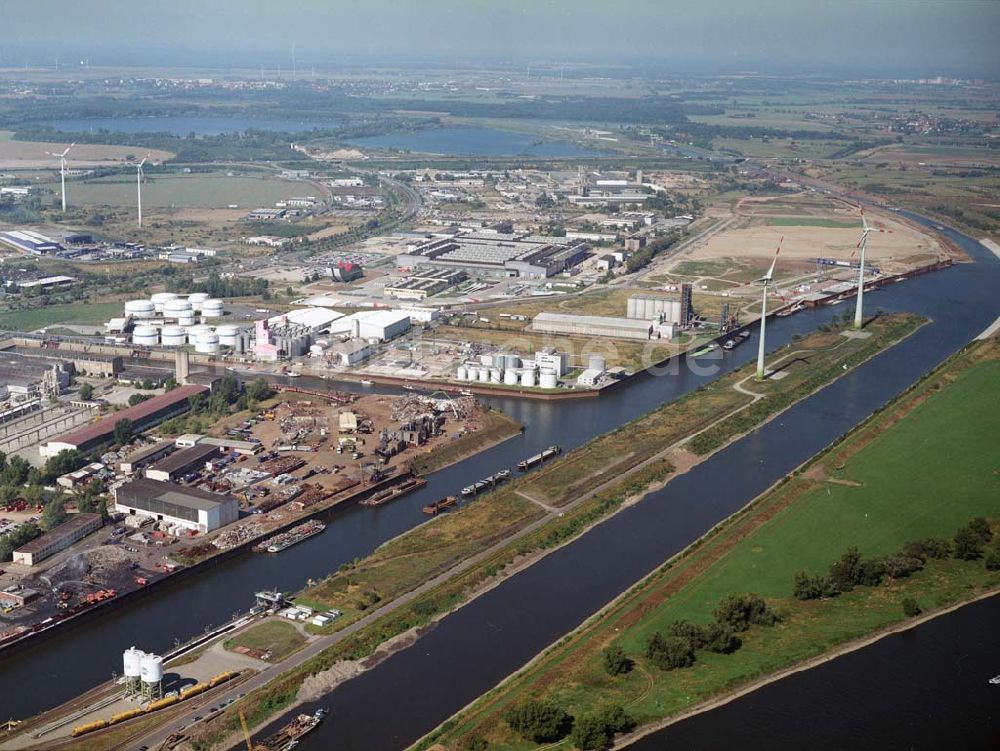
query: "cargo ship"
489, 482
438, 506
389, 494
532, 461
785, 312
288, 737
711, 346
292, 537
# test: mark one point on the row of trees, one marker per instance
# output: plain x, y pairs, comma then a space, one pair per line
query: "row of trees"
544, 722
852, 570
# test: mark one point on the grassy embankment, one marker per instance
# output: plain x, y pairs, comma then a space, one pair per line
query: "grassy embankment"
891, 481
278, 637
404, 563
85, 313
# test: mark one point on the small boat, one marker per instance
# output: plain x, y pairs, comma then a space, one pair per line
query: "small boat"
729, 344
366, 383
710, 347
744, 335
293, 375
408, 387
466, 392
995, 680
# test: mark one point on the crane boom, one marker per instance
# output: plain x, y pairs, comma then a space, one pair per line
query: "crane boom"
246, 731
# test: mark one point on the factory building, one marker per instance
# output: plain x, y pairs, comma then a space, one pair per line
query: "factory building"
495, 254
48, 283
145, 456
315, 319
382, 325
24, 379
142, 416
76, 527
188, 507
661, 309
423, 284
33, 242
183, 462
574, 325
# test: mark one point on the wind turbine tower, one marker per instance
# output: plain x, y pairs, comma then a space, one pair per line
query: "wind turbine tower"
862, 244
138, 185
765, 280
62, 171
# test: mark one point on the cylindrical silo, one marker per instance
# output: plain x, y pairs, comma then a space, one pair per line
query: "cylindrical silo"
484, 374
177, 309
196, 299
486, 360
131, 663
462, 373
147, 336
195, 331
510, 377
229, 334
186, 320
495, 375
630, 310
511, 361
547, 379
597, 362
160, 299
207, 344
528, 378
212, 308
173, 336
140, 309
152, 675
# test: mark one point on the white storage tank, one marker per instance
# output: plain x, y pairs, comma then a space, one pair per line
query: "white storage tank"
229, 334
140, 308
212, 308
510, 377
173, 336
547, 379
528, 378
511, 361
597, 362
186, 320
462, 373
486, 359
162, 298
196, 299
132, 663
484, 374
494, 375
151, 668
207, 344
147, 336
195, 331
177, 309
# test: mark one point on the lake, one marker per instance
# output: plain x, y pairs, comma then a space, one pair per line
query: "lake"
182, 125
478, 141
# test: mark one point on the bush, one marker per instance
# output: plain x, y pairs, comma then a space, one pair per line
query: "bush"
968, 545
670, 652
690, 631
901, 566
993, 561
911, 608
538, 721
475, 743
597, 731
928, 548
740, 612
845, 573
616, 662
981, 528
812, 587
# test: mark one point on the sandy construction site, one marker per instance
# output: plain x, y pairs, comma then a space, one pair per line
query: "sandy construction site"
814, 227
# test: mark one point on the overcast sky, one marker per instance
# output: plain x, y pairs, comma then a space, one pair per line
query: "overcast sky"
891, 37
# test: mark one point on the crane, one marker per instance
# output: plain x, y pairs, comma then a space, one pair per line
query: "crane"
246, 731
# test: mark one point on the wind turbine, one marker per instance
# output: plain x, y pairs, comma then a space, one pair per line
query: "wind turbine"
138, 185
765, 280
62, 171
862, 244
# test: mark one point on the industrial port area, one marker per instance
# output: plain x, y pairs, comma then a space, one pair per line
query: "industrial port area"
523, 401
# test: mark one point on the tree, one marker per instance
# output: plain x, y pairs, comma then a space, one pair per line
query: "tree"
739, 612
15, 472
911, 608
968, 545
993, 561
981, 528
124, 431
669, 652
845, 573
538, 721
812, 587
259, 390
67, 460
86, 392
54, 514
721, 639
929, 547
616, 662
590, 734
138, 399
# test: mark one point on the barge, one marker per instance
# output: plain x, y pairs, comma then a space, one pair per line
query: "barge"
438, 506
532, 461
389, 494
292, 537
288, 737
487, 483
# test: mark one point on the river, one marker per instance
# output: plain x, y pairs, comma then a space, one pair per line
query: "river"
532, 609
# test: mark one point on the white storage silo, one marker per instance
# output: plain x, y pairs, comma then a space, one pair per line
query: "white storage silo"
177, 309
597, 362
162, 298
547, 379
132, 669
484, 374
195, 331
186, 320
462, 373
173, 336
212, 308
486, 360
528, 378
146, 336
140, 308
196, 299
510, 377
207, 344
228, 335
151, 667
495, 375
511, 361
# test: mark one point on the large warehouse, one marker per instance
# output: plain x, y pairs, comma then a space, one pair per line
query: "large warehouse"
189, 507
143, 416
497, 255
619, 328
373, 324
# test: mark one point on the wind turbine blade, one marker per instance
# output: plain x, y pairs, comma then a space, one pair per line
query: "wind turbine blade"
770, 271
864, 220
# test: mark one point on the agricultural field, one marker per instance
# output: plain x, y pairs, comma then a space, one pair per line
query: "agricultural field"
74, 313
883, 487
31, 155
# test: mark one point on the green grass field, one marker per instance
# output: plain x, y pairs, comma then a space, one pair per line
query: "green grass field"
922, 468
82, 313
279, 637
